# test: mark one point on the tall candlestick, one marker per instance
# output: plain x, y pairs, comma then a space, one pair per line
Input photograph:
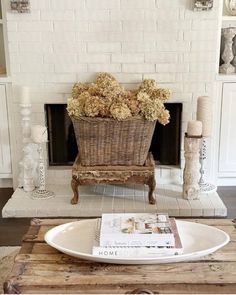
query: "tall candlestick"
204, 114
27, 164
194, 128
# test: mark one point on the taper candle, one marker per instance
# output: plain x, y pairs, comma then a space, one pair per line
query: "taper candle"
194, 128
24, 95
204, 114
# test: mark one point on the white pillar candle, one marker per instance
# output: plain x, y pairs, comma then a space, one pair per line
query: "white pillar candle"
194, 128
204, 114
39, 134
24, 95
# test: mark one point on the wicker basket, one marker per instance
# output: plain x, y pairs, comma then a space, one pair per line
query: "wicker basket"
106, 141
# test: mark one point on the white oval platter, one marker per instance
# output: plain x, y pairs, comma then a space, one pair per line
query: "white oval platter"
76, 239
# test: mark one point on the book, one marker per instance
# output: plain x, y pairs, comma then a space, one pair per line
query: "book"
144, 252
136, 229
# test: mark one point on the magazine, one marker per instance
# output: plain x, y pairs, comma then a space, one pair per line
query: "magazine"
136, 229
145, 251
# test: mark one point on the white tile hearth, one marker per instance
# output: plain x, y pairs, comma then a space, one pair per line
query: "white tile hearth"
98, 199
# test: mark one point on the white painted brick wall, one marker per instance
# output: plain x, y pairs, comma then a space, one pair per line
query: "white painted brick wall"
62, 41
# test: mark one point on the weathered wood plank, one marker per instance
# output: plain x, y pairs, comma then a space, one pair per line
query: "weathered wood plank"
42, 248
26, 248
193, 273
122, 289
83, 267
31, 234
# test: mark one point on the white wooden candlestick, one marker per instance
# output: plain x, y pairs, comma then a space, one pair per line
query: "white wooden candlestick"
39, 136
27, 164
191, 187
205, 187
204, 114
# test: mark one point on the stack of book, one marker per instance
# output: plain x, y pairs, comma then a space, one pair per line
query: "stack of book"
136, 235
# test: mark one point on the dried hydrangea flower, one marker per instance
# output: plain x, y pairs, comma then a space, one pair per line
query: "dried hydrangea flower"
120, 111
147, 84
93, 89
154, 110
130, 99
164, 117
93, 106
108, 86
75, 107
79, 88
148, 110
160, 93
143, 96
105, 107
105, 78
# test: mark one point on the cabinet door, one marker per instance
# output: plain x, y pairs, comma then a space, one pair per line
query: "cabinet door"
227, 159
5, 157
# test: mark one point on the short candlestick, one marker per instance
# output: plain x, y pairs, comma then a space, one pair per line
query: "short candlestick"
41, 192
205, 187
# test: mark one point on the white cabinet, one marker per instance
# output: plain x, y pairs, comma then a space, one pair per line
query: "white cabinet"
227, 156
5, 155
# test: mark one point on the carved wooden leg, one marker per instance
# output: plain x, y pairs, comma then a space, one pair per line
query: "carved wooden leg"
152, 185
74, 186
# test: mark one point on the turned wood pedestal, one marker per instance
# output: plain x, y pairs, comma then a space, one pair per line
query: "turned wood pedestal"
84, 175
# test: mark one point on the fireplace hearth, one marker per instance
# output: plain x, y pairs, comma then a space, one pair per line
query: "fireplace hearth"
62, 147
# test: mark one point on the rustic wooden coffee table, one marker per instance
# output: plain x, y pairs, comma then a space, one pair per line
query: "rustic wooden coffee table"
40, 268
84, 175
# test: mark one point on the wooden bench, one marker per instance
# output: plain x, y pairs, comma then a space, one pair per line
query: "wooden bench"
40, 268
84, 175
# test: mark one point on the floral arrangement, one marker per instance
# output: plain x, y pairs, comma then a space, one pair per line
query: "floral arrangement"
107, 98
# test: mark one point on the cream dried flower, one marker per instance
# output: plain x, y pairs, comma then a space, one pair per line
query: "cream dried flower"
75, 107
120, 111
94, 89
105, 79
154, 110
130, 98
164, 117
108, 86
160, 93
93, 106
147, 85
143, 96
79, 88
148, 110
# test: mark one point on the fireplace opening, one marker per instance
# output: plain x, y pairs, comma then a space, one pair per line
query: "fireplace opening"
62, 147
166, 140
